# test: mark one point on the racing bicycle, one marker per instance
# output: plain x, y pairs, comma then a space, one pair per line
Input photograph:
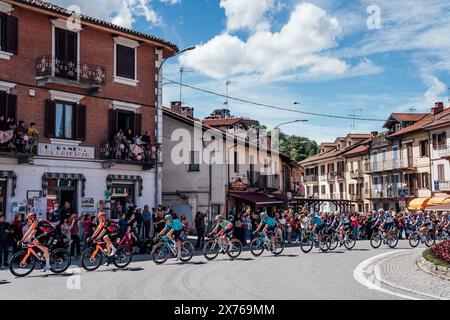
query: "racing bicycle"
216, 245
166, 247
92, 257
261, 243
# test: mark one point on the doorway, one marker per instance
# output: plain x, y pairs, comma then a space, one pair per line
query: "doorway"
125, 120
62, 191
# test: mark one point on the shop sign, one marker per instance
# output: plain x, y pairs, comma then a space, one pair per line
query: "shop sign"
88, 205
65, 151
238, 185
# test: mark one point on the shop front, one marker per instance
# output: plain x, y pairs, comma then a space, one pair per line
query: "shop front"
256, 201
6, 178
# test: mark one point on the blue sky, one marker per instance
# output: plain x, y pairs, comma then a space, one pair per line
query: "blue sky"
332, 56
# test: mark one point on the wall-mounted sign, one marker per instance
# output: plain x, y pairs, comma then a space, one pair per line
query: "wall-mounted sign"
238, 185
65, 151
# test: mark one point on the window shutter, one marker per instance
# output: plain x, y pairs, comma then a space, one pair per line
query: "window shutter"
3, 103
81, 122
125, 62
112, 123
137, 123
12, 34
50, 107
11, 106
419, 181
434, 137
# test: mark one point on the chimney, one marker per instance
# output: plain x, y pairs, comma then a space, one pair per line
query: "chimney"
438, 108
176, 107
188, 112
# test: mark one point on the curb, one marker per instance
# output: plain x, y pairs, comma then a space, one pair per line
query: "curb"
430, 268
379, 277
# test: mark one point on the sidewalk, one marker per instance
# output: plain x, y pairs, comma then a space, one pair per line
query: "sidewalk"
400, 271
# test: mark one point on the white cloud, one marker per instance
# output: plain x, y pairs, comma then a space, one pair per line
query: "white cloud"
300, 44
121, 12
248, 14
170, 1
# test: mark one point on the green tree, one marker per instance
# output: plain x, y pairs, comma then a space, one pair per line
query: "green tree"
299, 148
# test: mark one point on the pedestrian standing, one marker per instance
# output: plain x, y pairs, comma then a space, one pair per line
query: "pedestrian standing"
16, 231
5, 232
200, 227
147, 221
75, 250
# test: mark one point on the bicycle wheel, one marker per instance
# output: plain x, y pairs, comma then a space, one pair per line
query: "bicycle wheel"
414, 240
257, 247
90, 262
350, 241
375, 240
324, 243
187, 251
60, 260
307, 243
279, 246
392, 240
122, 257
236, 249
429, 241
160, 253
19, 267
211, 249
334, 241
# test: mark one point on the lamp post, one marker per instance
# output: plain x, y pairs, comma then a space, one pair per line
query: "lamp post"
159, 117
289, 122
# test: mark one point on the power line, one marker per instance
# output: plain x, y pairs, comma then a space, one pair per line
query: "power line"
272, 106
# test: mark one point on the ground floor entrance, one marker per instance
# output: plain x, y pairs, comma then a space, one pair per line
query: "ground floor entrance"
61, 191
3, 192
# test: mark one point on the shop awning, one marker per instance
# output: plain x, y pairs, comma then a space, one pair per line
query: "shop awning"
418, 203
440, 207
257, 198
55, 175
437, 201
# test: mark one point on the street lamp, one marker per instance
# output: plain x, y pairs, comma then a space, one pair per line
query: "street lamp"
159, 116
297, 103
289, 122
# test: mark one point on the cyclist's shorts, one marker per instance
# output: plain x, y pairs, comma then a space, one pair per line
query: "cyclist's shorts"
270, 230
320, 229
44, 239
228, 233
179, 235
112, 235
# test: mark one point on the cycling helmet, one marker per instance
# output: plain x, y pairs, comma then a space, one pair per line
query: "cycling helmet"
312, 214
263, 215
380, 210
167, 217
420, 212
219, 217
31, 215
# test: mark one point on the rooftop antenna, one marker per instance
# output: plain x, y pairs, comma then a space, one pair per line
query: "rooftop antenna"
354, 115
183, 70
227, 84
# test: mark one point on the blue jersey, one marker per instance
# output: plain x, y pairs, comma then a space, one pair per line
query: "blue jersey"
269, 221
175, 225
317, 221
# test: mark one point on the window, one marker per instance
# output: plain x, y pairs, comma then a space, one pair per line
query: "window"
125, 57
66, 54
236, 162
322, 190
195, 161
441, 172
65, 120
424, 181
439, 140
8, 105
125, 62
424, 148
8, 35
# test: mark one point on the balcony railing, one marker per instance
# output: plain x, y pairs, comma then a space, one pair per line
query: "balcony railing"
130, 153
357, 174
16, 143
442, 185
335, 175
390, 193
335, 196
442, 150
48, 66
310, 178
387, 165
253, 178
356, 197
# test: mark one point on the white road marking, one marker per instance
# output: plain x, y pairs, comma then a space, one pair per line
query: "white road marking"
366, 267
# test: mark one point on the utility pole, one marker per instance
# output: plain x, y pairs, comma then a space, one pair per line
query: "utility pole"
353, 115
182, 70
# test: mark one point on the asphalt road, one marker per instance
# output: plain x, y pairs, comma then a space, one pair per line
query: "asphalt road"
292, 275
